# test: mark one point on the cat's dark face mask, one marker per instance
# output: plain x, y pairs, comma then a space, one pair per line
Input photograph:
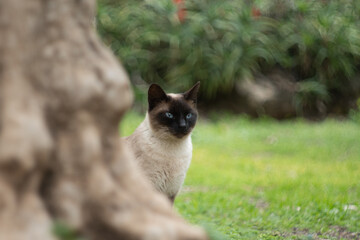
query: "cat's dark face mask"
179, 119
174, 113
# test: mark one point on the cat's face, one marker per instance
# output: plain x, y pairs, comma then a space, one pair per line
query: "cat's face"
173, 114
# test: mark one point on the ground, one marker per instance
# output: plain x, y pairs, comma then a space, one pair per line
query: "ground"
264, 179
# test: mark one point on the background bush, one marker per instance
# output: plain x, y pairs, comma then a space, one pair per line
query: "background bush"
222, 42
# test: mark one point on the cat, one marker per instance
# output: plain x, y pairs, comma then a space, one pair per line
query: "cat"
162, 142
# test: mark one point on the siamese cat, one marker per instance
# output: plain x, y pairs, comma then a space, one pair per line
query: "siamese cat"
162, 142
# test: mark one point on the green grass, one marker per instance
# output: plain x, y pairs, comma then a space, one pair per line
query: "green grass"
263, 179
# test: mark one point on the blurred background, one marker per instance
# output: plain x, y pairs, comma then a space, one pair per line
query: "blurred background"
282, 58
294, 60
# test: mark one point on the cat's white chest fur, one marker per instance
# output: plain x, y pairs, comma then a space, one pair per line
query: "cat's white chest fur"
165, 161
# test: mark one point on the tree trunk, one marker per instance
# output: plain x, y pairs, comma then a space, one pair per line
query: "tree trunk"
62, 95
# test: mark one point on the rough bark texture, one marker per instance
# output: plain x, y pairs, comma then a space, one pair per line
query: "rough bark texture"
62, 95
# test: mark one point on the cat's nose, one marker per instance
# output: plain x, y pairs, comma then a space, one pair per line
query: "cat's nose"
182, 123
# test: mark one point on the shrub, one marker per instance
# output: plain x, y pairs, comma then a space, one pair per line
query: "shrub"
222, 42
218, 44
320, 41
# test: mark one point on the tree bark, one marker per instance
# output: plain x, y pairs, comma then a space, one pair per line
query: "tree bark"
62, 95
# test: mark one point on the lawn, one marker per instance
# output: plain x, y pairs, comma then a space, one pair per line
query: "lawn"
264, 179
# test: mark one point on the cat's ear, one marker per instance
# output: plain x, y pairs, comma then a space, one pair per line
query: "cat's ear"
191, 94
156, 95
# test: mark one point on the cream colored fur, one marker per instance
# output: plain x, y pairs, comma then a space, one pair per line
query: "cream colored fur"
164, 158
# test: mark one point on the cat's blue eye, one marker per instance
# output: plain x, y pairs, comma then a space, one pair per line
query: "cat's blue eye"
169, 115
189, 115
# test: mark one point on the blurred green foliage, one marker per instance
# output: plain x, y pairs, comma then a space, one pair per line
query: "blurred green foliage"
222, 42
320, 42
63, 232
